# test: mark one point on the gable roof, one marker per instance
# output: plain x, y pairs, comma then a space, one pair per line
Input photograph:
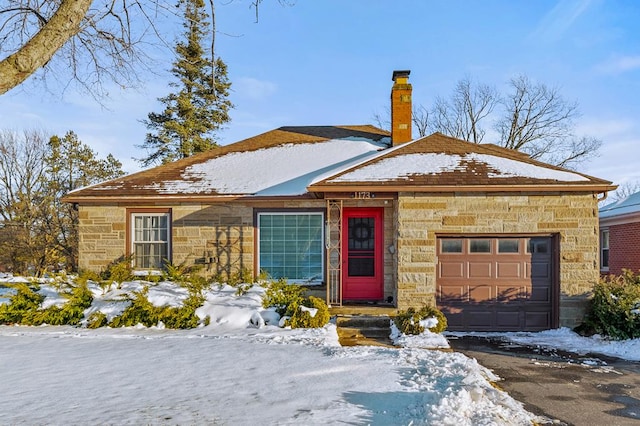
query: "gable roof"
625, 207
442, 163
297, 161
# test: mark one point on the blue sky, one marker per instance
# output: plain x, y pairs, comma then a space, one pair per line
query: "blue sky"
330, 62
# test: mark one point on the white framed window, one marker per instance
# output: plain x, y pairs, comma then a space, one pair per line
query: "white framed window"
290, 245
150, 239
604, 249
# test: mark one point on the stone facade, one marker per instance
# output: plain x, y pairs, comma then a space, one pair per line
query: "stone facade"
421, 217
217, 236
220, 236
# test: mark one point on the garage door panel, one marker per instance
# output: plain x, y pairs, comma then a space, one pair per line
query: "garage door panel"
510, 293
479, 269
508, 319
537, 320
451, 269
508, 270
480, 293
455, 317
452, 293
504, 289
480, 319
540, 294
540, 270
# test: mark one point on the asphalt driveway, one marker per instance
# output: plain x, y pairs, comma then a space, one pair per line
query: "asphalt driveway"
565, 387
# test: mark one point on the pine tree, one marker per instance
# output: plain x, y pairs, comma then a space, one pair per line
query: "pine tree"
193, 115
69, 164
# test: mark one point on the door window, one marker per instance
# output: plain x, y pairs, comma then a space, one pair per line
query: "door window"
361, 240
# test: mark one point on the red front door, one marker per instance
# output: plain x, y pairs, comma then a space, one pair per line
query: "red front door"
362, 244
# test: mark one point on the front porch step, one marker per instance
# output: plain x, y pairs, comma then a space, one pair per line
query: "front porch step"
364, 330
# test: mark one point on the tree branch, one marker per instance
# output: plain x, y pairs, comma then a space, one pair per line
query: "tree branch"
64, 24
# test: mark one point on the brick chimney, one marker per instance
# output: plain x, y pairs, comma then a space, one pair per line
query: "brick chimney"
400, 108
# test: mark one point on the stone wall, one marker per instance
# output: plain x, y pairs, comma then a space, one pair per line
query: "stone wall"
218, 237
102, 236
421, 216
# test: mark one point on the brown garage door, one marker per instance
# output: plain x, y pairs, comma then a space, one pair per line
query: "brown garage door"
496, 283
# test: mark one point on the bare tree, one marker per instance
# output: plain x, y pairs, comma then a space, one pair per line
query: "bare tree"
462, 114
537, 120
420, 118
92, 40
531, 118
624, 190
383, 119
21, 197
38, 230
86, 41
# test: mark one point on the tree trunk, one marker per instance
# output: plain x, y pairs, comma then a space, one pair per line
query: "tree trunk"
63, 25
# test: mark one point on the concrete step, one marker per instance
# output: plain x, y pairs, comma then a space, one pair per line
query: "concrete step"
371, 333
363, 321
357, 330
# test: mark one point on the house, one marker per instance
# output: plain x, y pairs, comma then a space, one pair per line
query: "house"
620, 235
496, 240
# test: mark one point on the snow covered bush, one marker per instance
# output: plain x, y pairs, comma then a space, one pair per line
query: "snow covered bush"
280, 295
119, 270
97, 320
297, 310
71, 312
311, 312
415, 322
614, 309
20, 305
142, 311
25, 307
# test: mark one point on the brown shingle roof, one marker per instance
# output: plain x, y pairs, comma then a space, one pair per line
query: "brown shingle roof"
454, 163
148, 183
434, 163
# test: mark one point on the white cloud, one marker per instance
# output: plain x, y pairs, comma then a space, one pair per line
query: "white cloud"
254, 89
559, 19
607, 129
619, 64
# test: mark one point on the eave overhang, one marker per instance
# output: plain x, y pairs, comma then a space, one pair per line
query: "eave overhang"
621, 219
593, 188
181, 198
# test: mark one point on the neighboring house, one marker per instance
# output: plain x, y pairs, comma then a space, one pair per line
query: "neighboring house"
495, 239
620, 236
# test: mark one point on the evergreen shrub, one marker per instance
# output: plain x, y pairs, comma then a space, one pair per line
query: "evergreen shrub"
142, 311
71, 313
24, 307
21, 305
301, 318
614, 309
408, 322
120, 270
281, 295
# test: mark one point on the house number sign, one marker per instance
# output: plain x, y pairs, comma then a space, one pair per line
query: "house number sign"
363, 195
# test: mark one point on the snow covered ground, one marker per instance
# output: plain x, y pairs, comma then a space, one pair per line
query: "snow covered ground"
232, 372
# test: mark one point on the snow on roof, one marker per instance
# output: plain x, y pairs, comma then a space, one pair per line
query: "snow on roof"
627, 205
280, 170
405, 166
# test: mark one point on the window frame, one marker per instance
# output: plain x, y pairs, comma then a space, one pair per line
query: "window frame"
132, 213
292, 212
604, 231
471, 240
